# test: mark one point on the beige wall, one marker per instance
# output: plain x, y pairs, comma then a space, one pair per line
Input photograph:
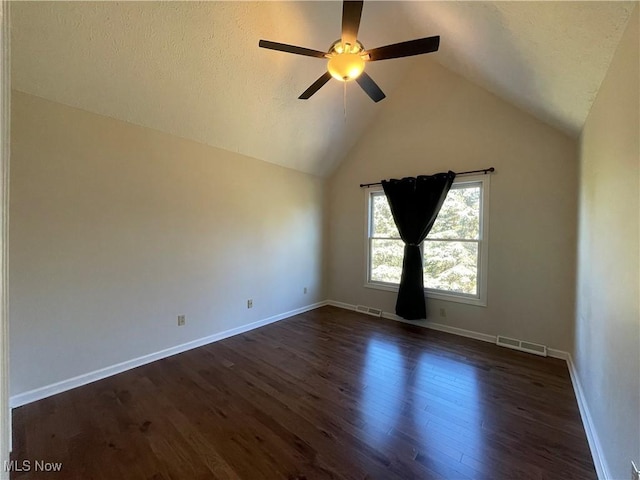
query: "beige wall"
607, 332
437, 121
116, 229
5, 100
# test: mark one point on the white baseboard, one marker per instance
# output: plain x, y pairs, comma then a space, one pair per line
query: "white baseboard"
59, 387
594, 444
443, 328
561, 354
425, 323
346, 306
84, 379
485, 337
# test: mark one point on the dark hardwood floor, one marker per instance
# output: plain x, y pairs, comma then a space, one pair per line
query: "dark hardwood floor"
326, 394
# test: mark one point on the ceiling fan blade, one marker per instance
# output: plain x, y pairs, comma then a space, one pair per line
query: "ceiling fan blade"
283, 47
317, 85
370, 87
351, 13
405, 49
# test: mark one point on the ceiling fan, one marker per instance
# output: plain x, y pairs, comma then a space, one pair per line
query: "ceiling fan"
347, 56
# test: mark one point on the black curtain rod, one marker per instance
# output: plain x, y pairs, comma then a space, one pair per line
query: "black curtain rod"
484, 171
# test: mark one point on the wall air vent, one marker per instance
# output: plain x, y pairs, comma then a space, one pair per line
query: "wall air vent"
521, 345
376, 312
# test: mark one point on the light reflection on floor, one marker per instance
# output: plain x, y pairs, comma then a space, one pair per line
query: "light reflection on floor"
384, 375
450, 395
419, 400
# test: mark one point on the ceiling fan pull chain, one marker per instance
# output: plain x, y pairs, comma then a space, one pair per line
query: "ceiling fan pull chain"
344, 96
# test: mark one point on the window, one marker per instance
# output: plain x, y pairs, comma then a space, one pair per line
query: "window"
454, 252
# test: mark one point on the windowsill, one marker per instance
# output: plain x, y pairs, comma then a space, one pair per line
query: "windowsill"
432, 295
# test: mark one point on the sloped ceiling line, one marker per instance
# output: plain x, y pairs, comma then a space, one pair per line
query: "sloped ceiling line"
195, 70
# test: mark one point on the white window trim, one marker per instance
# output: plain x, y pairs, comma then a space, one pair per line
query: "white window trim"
483, 248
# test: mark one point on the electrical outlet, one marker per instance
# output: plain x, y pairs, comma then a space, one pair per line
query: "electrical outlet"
635, 473
249, 303
181, 320
443, 312
305, 290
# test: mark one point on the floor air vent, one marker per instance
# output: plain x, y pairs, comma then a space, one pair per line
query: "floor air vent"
522, 345
376, 312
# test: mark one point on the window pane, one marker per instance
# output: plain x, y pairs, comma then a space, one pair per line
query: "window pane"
451, 266
386, 260
459, 217
382, 224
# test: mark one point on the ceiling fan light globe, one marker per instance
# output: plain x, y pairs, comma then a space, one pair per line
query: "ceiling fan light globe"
345, 66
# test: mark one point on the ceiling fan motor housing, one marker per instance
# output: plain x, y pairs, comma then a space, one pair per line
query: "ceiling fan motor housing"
345, 61
347, 56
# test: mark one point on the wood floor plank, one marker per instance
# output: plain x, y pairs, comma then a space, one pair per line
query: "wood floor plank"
328, 394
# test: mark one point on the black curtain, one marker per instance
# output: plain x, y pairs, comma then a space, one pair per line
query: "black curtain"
415, 203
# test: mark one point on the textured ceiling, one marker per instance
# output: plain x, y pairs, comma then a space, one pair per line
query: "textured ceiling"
195, 70
548, 57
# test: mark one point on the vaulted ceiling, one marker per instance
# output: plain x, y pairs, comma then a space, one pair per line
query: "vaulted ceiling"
195, 69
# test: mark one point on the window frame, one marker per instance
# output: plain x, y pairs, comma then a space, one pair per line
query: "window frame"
480, 299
